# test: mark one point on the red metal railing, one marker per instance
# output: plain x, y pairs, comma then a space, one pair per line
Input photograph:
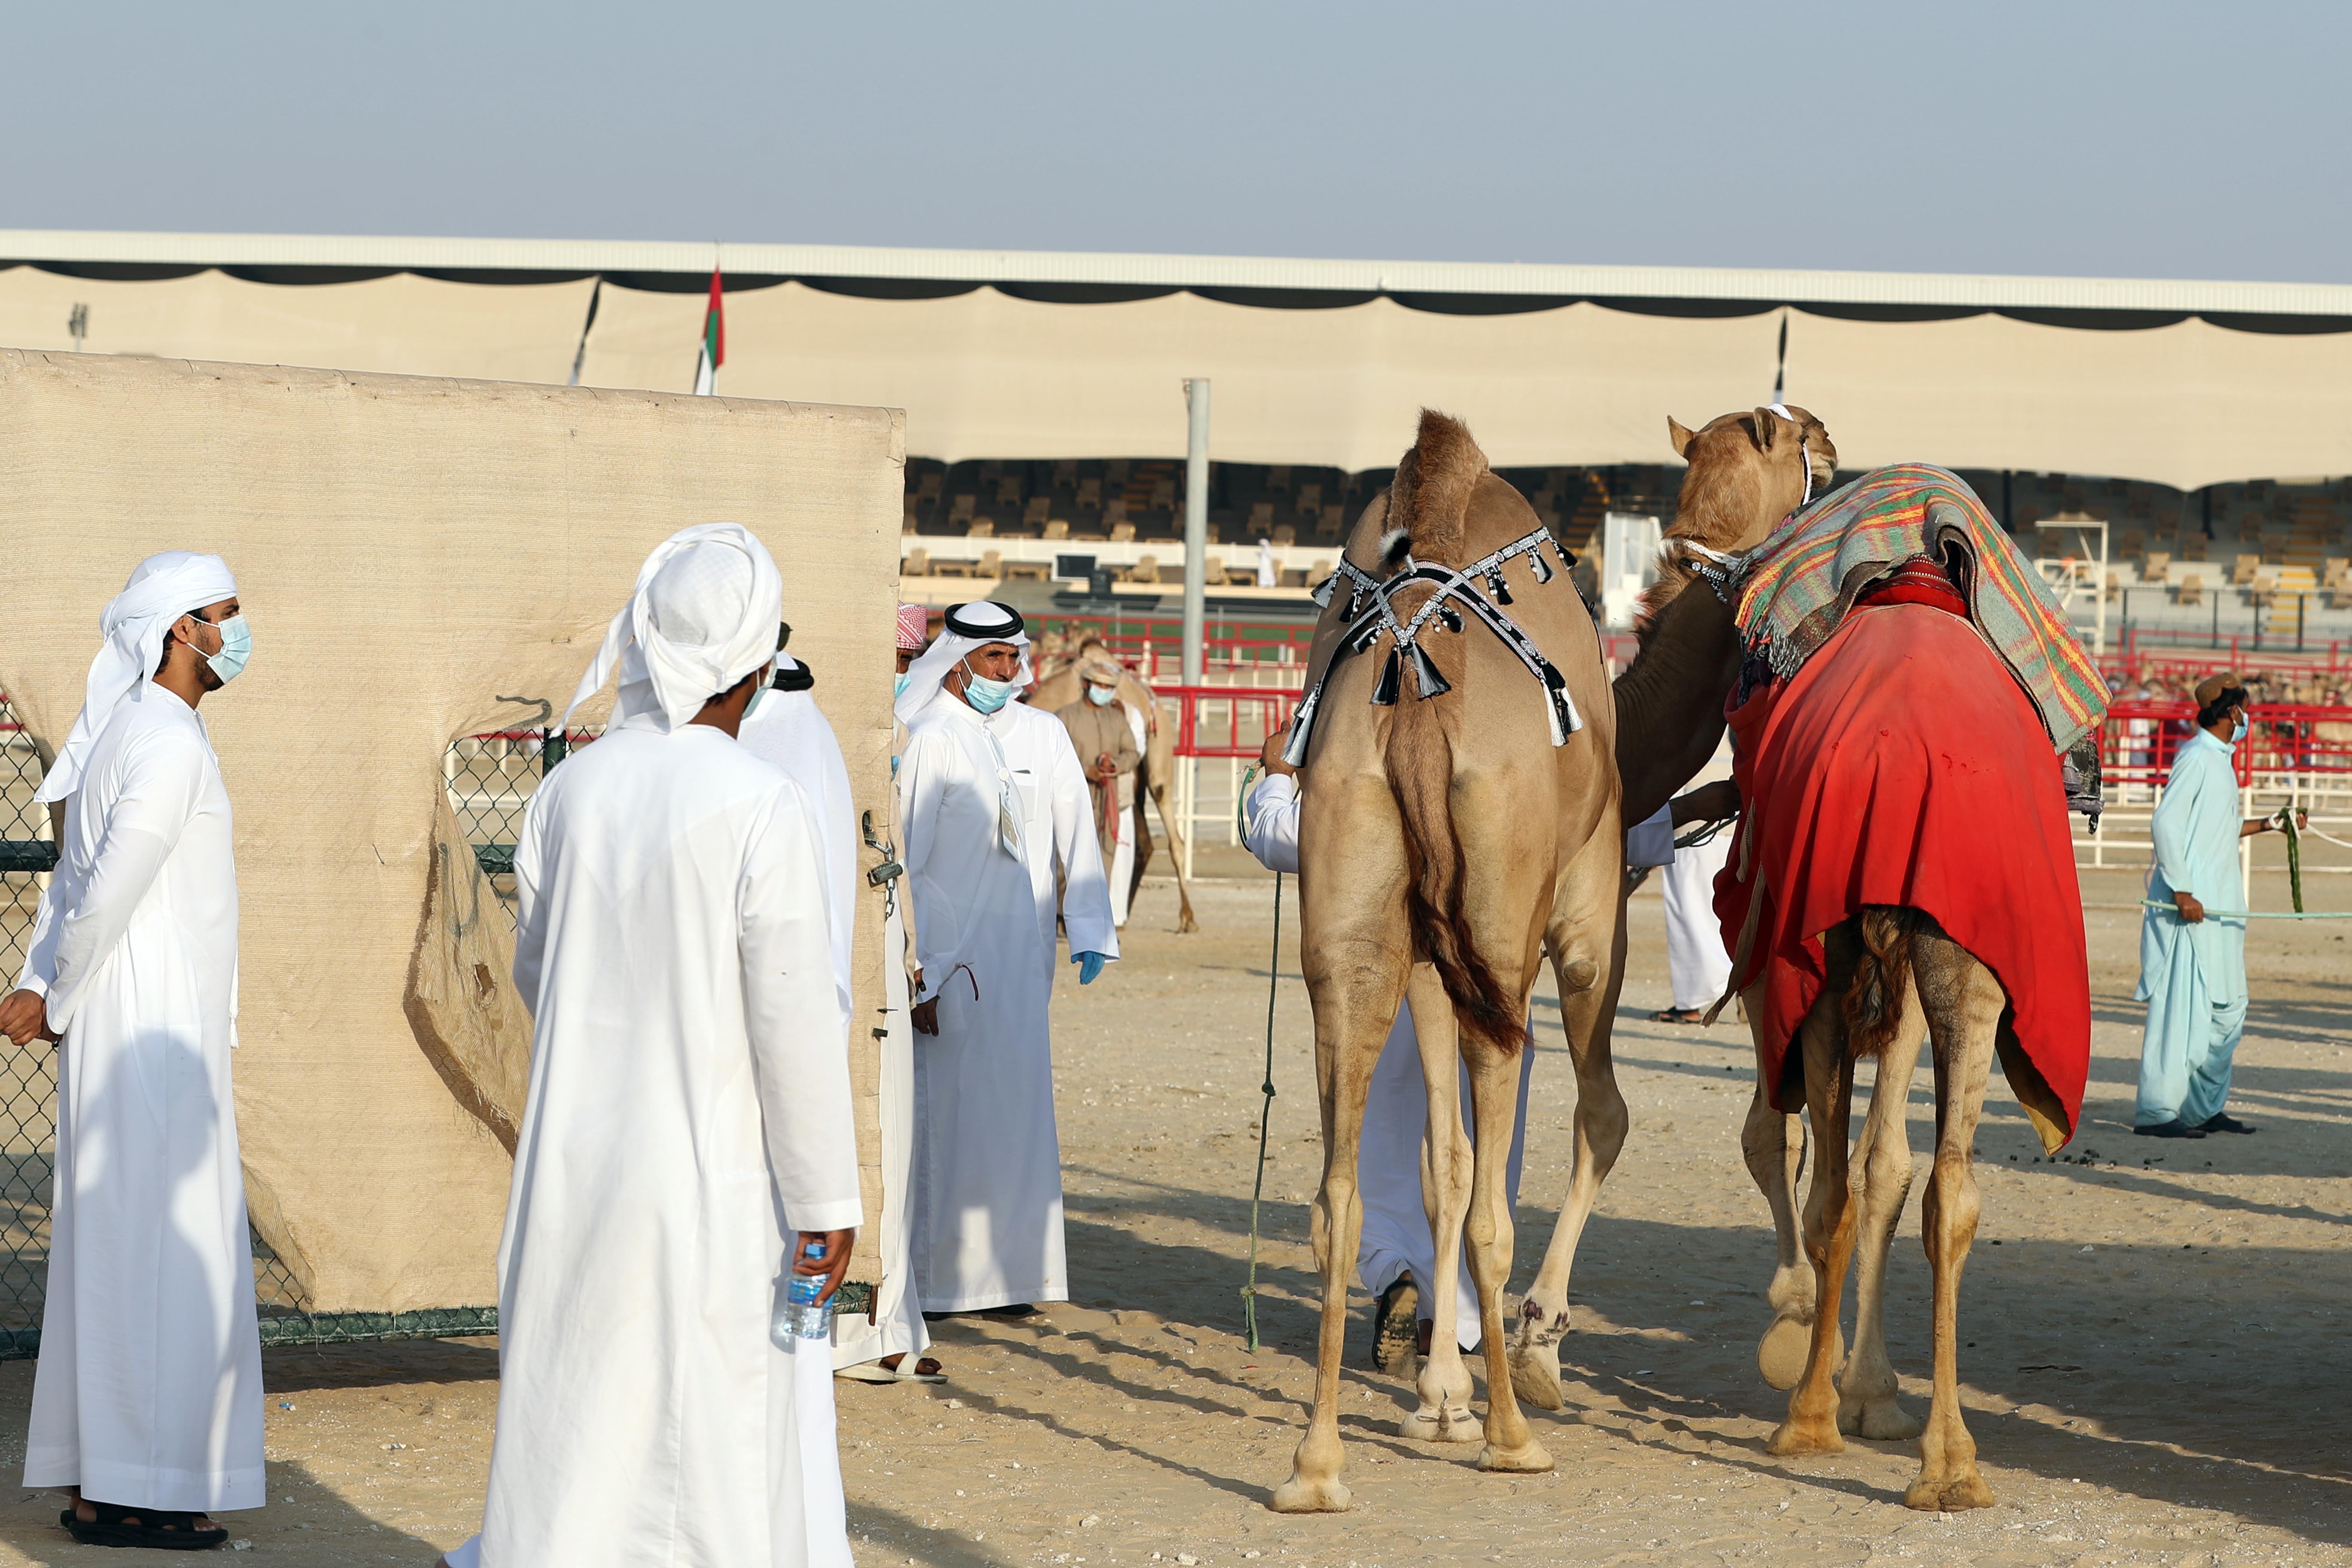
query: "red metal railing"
2142, 739
1227, 720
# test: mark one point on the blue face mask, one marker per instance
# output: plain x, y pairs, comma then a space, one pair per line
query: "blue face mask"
900, 689
985, 695
236, 647
1102, 696
2238, 732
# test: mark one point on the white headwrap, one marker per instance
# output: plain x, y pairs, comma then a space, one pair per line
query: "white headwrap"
967, 627
705, 613
134, 624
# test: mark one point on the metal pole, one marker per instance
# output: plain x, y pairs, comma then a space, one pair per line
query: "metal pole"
1196, 527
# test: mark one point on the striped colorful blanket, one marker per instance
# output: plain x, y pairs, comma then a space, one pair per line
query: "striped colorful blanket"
1801, 582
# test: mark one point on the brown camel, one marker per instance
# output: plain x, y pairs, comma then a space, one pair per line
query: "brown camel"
1459, 822
1670, 706
1747, 471
1155, 775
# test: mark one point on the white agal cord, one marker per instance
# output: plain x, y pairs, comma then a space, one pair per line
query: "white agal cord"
1804, 452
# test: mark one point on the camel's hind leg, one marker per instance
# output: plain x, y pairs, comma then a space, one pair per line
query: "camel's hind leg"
1495, 1096
1867, 1406
1355, 1002
1446, 1182
1964, 1005
1774, 1145
1587, 941
1811, 1425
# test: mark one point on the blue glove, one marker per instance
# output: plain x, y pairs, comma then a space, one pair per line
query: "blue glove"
1089, 965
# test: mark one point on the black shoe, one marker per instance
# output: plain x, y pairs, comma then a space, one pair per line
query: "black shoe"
2220, 1122
1393, 1328
2176, 1127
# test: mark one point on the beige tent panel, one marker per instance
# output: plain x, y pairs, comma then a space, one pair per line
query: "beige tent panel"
399, 325
409, 550
2187, 406
984, 375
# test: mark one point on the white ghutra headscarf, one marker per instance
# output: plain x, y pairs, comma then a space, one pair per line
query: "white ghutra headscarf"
967, 628
134, 624
705, 613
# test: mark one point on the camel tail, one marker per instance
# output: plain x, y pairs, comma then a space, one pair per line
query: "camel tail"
1874, 1002
1429, 504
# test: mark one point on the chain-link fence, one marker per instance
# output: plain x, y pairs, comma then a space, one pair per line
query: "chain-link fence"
490, 779
28, 1078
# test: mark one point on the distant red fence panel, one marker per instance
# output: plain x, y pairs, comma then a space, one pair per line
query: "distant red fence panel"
2143, 739
1228, 720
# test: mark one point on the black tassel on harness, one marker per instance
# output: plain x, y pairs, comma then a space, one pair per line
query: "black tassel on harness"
1384, 692
1425, 679
1542, 566
1497, 588
1451, 617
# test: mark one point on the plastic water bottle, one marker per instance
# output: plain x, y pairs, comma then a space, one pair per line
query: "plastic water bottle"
799, 1313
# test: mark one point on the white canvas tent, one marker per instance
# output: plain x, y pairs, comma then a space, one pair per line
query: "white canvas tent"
1046, 356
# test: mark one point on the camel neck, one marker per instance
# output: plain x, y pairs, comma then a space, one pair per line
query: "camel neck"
1670, 701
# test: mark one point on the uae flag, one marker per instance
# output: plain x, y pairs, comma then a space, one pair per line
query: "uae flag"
714, 342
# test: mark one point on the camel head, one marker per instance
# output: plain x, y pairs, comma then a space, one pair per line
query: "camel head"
1747, 471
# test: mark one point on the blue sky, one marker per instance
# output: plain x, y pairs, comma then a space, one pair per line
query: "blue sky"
2150, 140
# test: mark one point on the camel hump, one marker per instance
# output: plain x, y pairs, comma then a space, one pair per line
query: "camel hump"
1429, 502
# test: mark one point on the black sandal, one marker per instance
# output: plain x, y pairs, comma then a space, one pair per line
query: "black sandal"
162, 1530
1679, 1016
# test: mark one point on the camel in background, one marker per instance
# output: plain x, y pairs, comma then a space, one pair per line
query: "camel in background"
1155, 775
1459, 822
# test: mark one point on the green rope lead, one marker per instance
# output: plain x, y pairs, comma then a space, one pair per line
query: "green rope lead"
2293, 855
1264, 1116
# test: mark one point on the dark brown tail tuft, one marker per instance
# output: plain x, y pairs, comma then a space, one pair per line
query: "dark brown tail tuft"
1873, 1000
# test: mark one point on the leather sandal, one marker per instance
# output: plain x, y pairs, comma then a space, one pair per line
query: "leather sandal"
161, 1529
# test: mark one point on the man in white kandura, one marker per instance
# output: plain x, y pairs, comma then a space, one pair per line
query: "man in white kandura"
689, 1129
790, 730
1396, 1257
994, 805
1697, 965
147, 1401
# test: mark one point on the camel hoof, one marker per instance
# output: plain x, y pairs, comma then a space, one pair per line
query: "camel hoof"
1297, 1495
1185, 926
1535, 1376
1527, 1459
1881, 1420
1782, 1353
1797, 1436
1931, 1496
1441, 1426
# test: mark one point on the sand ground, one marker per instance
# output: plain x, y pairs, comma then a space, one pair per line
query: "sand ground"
2151, 1359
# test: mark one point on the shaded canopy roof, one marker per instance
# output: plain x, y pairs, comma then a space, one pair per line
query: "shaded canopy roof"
1030, 355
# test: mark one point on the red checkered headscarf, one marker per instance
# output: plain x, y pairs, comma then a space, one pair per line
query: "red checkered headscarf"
914, 627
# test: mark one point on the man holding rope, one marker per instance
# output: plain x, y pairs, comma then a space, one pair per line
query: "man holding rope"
2192, 965
1105, 742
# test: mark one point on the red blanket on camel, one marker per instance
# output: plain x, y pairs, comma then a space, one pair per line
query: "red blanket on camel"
1904, 765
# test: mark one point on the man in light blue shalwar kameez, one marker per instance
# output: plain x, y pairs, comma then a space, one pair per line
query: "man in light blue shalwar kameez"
2192, 963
